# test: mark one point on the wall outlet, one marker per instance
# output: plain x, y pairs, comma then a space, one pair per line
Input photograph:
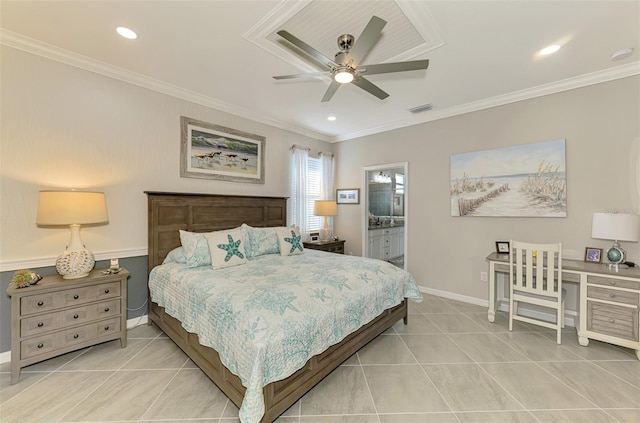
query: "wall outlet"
484, 276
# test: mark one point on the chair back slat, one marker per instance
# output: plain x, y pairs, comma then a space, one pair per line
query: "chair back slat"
537, 268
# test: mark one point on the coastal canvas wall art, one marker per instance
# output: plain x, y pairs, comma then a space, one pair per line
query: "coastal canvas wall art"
526, 180
216, 152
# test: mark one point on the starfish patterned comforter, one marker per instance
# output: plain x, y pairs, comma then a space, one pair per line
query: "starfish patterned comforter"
266, 318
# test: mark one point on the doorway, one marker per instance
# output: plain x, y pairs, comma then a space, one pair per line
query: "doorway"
385, 219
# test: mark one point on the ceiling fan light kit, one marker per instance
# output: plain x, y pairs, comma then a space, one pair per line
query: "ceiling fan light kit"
345, 68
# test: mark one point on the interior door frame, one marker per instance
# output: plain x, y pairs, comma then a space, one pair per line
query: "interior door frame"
365, 202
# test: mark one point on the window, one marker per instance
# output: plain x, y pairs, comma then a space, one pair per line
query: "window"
314, 179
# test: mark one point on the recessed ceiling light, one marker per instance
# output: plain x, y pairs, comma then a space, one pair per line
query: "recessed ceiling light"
331, 118
127, 33
550, 49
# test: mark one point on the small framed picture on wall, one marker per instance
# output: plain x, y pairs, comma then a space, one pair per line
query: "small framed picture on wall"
502, 247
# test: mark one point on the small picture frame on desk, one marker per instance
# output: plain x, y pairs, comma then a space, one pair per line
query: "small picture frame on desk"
502, 247
593, 255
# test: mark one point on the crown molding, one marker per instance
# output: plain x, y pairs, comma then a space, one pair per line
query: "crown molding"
39, 48
618, 72
17, 41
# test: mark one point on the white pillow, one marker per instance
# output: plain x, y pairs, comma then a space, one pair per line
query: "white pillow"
226, 248
290, 241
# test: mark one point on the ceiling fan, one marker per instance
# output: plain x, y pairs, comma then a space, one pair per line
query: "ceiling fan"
346, 67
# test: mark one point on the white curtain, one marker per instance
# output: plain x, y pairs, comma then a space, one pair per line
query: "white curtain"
326, 183
298, 189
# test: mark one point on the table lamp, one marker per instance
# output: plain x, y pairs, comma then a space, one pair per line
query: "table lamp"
72, 208
616, 227
325, 208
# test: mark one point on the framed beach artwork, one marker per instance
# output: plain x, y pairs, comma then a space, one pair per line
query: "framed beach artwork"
348, 196
526, 180
214, 152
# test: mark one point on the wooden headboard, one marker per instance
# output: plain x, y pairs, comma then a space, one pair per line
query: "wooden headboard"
169, 212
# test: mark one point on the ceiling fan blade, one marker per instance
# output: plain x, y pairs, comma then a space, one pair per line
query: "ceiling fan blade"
393, 67
367, 39
303, 75
306, 48
330, 91
369, 87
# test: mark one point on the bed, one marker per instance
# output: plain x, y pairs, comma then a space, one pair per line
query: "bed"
262, 395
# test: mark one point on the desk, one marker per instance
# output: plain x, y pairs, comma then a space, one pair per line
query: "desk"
609, 300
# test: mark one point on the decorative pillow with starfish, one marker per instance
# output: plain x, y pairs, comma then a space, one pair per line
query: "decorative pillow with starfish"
290, 241
227, 248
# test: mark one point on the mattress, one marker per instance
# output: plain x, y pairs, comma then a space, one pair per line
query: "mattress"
267, 317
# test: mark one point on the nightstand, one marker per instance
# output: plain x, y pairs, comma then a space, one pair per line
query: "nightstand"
59, 315
329, 246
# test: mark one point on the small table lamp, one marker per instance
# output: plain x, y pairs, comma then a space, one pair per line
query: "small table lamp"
73, 208
616, 227
325, 208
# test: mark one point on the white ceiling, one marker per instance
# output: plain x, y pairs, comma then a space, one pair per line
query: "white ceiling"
223, 54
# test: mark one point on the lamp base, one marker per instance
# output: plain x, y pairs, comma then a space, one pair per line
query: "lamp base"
75, 264
325, 235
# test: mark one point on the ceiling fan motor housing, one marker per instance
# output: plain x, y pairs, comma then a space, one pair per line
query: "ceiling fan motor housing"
345, 42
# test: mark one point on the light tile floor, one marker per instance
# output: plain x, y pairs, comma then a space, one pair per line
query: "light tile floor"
448, 365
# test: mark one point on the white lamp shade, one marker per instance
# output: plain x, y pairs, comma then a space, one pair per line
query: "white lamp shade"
71, 208
325, 208
616, 226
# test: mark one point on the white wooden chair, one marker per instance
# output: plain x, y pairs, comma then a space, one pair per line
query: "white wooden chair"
536, 278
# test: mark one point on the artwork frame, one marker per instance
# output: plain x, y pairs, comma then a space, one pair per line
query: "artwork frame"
593, 255
210, 151
503, 247
522, 180
348, 196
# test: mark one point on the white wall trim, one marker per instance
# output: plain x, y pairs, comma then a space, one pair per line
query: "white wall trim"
570, 316
35, 263
593, 78
5, 357
39, 48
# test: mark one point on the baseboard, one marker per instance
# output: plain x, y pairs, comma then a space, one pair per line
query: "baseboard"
570, 316
5, 357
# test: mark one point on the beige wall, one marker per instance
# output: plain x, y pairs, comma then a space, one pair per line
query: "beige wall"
601, 126
63, 127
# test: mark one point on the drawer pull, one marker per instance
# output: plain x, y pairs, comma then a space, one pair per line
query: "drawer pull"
40, 324
106, 309
75, 316
612, 320
106, 291
75, 297
612, 295
40, 345
40, 303
612, 282
76, 336
106, 328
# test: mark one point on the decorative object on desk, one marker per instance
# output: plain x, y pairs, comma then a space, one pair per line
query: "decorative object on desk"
616, 227
314, 236
24, 278
72, 208
325, 208
502, 247
211, 151
348, 196
594, 255
522, 180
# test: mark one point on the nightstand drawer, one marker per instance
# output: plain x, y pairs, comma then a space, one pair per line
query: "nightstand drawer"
616, 295
613, 282
608, 319
57, 320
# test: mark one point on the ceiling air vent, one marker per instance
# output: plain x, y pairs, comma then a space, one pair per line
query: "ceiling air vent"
423, 108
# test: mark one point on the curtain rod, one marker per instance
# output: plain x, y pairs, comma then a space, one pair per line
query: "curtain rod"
294, 146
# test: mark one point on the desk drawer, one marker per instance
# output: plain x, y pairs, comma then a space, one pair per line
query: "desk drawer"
613, 282
615, 295
612, 320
